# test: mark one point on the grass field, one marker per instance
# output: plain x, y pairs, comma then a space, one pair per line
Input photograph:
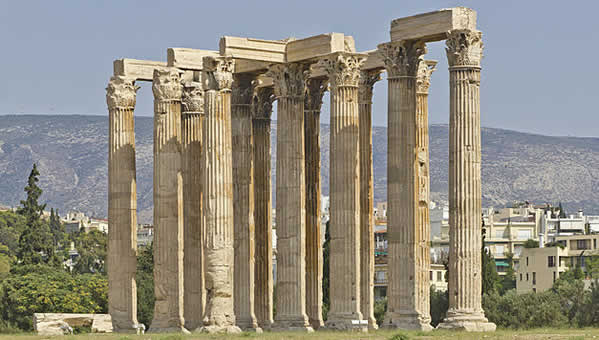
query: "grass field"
537, 334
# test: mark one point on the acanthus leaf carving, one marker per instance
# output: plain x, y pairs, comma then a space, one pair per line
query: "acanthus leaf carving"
401, 58
423, 80
343, 68
262, 102
121, 93
218, 73
367, 80
314, 92
289, 79
166, 85
192, 100
464, 48
242, 89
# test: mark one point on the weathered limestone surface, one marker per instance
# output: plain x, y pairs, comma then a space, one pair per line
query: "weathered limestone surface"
122, 204
137, 69
423, 255
464, 53
192, 107
314, 260
344, 75
289, 86
405, 236
367, 81
263, 303
433, 26
243, 201
168, 203
217, 198
49, 324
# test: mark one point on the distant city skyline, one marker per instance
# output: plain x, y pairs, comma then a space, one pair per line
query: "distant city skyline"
58, 55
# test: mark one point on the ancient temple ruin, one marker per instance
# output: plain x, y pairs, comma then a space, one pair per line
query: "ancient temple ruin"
212, 181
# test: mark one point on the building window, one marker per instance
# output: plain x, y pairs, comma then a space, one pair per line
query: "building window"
550, 261
581, 244
595, 243
520, 276
534, 290
524, 234
499, 250
526, 276
439, 276
431, 275
534, 278
553, 276
527, 262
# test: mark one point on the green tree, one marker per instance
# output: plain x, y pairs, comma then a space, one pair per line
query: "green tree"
530, 243
508, 281
35, 243
569, 288
92, 252
326, 250
562, 211
145, 284
57, 229
11, 227
439, 301
490, 278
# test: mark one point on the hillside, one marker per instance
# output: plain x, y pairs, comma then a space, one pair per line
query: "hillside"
71, 152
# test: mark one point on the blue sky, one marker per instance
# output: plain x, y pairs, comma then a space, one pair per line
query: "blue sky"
539, 73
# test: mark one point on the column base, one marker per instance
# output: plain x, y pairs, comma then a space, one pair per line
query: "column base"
372, 325
169, 330
292, 324
407, 321
316, 324
469, 322
249, 325
265, 326
212, 329
353, 322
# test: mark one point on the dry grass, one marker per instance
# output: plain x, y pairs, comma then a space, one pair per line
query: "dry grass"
537, 334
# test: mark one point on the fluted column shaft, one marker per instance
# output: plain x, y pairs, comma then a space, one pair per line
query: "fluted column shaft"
168, 203
314, 259
263, 307
243, 201
464, 52
425, 70
217, 204
367, 81
122, 204
289, 87
344, 75
191, 129
404, 234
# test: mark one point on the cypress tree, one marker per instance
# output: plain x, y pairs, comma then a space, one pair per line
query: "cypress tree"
35, 243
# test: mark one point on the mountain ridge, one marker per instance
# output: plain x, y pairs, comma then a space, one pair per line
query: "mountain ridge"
71, 152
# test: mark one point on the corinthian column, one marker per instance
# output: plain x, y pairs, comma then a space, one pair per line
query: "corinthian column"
312, 103
367, 81
168, 203
262, 109
243, 201
343, 70
192, 110
289, 87
423, 255
122, 205
217, 198
464, 52
403, 230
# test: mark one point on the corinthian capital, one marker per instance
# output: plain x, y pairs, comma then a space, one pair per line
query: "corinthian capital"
166, 85
218, 73
121, 93
314, 92
464, 48
402, 58
367, 80
242, 89
262, 102
423, 80
343, 68
192, 100
289, 79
